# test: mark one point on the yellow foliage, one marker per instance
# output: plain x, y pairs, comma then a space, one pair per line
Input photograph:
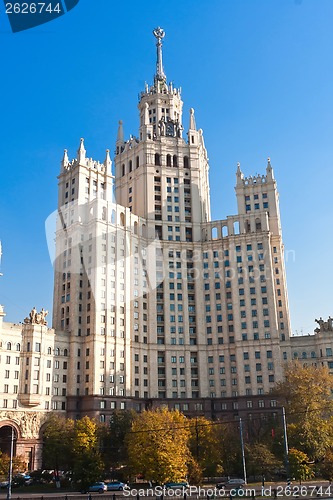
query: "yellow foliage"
157, 445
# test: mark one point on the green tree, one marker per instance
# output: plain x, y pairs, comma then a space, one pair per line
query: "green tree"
231, 451
260, 460
299, 465
158, 445
306, 394
57, 449
326, 466
116, 446
205, 445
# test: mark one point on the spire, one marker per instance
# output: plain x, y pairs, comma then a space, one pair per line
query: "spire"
192, 120
239, 174
81, 152
120, 134
65, 160
159, 34
107, 161
269, 169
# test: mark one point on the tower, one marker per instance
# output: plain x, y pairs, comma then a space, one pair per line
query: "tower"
158, 302
160, 161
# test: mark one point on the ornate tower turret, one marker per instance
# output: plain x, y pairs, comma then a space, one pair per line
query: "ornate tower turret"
161, 144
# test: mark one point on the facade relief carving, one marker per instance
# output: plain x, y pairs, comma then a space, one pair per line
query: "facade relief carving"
29, 423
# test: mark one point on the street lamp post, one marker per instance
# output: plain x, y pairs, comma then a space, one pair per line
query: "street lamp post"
285, 442
10, 472
242, 447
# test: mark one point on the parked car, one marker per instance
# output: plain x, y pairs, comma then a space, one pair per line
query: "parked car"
175, 486
116, 486
231, 483
99, 487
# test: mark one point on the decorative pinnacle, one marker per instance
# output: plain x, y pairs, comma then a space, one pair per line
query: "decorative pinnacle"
107, 161
159, 34
192, 120
65, 160
81, 151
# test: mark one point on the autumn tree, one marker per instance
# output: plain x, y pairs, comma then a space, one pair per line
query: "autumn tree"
300, 467
306, 394
19, 464
158, 445
88, 464
205, 445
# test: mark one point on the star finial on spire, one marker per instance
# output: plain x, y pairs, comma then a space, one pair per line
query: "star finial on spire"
159, 34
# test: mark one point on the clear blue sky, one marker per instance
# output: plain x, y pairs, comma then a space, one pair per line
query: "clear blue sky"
259, 74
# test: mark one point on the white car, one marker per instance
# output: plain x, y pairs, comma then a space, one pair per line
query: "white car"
231, 483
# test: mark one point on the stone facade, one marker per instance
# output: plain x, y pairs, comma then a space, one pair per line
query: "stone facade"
155, 303
32, 370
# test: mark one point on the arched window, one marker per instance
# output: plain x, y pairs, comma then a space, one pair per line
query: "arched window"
214, 233
313, 354
137, 160
135, 227
157, 159
168, 160
304, 355
57, 351
247, 226
113, 217
258, 225
186, 162
65, 352
123, 169
130, 166
236, 227
175, 161
122, 219
49, 350
9, 346
18, 347
224, 231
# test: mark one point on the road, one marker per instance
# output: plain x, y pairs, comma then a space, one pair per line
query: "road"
308, 491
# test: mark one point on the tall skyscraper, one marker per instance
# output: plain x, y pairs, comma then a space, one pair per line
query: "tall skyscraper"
159, 301
155, 303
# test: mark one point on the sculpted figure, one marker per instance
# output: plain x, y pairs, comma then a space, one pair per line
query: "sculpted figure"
324, 326
162, 126
33, 315
43, 315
